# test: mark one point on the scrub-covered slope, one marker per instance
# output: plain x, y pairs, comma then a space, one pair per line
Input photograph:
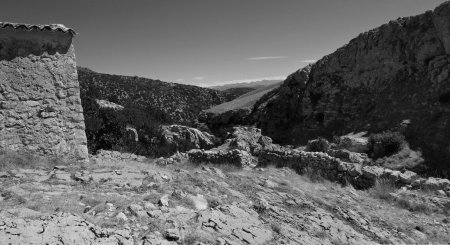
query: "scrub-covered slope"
396, 73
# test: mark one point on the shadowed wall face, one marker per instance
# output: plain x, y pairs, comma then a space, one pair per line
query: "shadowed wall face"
40, 106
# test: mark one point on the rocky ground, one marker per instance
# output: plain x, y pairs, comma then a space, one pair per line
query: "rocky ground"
124, 199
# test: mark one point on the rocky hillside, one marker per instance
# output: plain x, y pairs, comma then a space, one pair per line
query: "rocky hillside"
237, 92
116, 106
169, 101
396, 73
254, 85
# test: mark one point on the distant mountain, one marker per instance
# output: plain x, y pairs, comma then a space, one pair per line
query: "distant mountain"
254, 85
146, 103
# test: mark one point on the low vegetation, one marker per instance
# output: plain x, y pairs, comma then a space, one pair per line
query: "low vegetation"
383, 189
318, 145
386, 144
24, 159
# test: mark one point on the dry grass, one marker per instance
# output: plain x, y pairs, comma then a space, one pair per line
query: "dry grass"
413, 206
383, 189
23, 159
197, 236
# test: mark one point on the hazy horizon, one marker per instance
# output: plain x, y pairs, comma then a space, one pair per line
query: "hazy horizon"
210, 42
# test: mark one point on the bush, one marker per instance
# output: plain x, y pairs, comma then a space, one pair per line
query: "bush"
318, 145
382, 189
386, 144
413, 206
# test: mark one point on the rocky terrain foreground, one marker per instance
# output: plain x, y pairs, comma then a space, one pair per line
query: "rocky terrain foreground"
121, 198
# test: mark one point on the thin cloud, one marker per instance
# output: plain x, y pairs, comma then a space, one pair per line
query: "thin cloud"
179, 80
308, 61
199, 78
218, 83
268, 58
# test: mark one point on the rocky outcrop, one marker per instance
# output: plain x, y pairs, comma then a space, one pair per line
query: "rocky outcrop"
397, 72
241, 148
237, 225
118, 156
248, 139
354, 143
40, 107
173, 138
25, 226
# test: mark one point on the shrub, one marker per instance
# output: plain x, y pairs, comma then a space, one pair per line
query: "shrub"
386, 143
413, 206
318, 145
382, 189
314, 175
276, 228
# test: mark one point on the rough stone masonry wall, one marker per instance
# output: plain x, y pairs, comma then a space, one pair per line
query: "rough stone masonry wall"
40, 106
334, 169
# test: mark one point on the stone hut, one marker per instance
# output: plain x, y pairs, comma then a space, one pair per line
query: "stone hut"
40, 105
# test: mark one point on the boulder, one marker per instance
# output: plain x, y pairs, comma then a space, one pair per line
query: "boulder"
248, 139
348, 156
199, 201
408, 177
354, 142
436, 183
180, 138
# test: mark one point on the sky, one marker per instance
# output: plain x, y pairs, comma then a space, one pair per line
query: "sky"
209, 42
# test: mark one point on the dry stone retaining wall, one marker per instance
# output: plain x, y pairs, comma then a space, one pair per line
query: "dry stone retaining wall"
40, 106
336, 170
235, 157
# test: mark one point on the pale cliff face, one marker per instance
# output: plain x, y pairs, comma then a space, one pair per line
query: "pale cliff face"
396, 72
40, 106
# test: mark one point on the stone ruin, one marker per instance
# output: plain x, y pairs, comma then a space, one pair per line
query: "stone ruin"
40, 105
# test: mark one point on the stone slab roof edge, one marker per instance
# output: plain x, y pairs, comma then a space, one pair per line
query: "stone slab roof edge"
42, 27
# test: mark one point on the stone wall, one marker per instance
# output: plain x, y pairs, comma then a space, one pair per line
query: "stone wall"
359, 175
40, 106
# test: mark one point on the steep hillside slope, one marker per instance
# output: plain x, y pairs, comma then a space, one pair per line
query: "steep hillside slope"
140, 106
396, 73
235, 112
246, 100
237, 92
175, 102
254, 85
